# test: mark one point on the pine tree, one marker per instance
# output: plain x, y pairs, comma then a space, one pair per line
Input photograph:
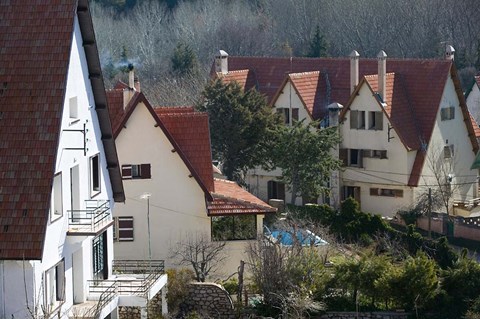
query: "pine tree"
318, 45
184, 60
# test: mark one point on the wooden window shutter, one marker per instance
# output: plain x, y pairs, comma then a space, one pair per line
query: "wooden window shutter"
281, 191
367, 153
383, 154
378, 121
452, 112
343, 156
125, 228
353, 119
373, 191
295, 114
398, 192
127, 171
145, 171
360, 158
443, 114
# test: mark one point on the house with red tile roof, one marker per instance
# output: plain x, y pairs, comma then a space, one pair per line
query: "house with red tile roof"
388, 138
59, 172
170, 190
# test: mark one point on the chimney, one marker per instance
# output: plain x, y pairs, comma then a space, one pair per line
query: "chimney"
130, 91
221, 62
382, 74
131, 76
136, 84
354, 56
449, 53
333, 111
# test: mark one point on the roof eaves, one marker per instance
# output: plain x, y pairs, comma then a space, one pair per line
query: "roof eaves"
100, 97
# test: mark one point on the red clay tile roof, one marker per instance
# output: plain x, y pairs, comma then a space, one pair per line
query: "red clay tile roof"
308, 86
398, 109
35, 44
231, 199
476, 128
161, 110
239, 76
115, 105
191, 132
420, 84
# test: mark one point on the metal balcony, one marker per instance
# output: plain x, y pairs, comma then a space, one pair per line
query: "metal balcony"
92, 220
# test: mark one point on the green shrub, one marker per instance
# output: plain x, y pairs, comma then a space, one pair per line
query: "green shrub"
231, 286
178, 282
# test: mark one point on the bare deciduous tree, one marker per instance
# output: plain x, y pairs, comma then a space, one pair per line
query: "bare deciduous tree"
199, 252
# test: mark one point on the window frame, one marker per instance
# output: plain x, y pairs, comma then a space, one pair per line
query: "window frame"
57, 191
234, 236
118, 229
357, 120
73, 110
55, 292
386, 192
95, 175
448, 151
142, 171
375, 120
447, 113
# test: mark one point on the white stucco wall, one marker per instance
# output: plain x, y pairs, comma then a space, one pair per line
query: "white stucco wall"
15, 276
390, 173
450, 132
473, 102
289, 99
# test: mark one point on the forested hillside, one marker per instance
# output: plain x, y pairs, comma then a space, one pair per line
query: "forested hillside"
172, 42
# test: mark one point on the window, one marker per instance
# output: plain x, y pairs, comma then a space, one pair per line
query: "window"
285, 113
357, 120
448, 151
136, 171
447, 113
276, 190
73, 109
375, 153
234, 227
57, 198
355, 157
99, 254
351, 191
55, 285
94, 175
386, 192
375, 121
123, 228
294, 115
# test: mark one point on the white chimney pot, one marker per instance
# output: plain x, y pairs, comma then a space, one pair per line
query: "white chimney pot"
382, 73
354, 56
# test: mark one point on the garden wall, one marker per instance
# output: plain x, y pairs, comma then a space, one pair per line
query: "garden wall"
364, 315
209, 299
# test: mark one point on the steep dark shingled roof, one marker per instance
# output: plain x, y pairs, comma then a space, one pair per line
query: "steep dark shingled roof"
35, 44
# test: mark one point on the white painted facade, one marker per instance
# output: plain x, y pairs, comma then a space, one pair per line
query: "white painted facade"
393, 172
18, 278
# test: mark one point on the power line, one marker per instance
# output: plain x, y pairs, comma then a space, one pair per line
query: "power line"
169, 209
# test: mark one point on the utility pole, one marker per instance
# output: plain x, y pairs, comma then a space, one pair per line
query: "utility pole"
429, 213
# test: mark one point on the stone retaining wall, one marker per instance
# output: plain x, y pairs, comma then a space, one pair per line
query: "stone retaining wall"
364, 315
210, 300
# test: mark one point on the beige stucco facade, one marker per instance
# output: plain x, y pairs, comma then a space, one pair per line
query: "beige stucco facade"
383, 182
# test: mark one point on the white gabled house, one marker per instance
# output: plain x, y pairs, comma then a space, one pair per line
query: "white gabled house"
59, 171
397, 143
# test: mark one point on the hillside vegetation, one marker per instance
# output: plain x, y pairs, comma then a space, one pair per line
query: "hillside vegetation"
172, 42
